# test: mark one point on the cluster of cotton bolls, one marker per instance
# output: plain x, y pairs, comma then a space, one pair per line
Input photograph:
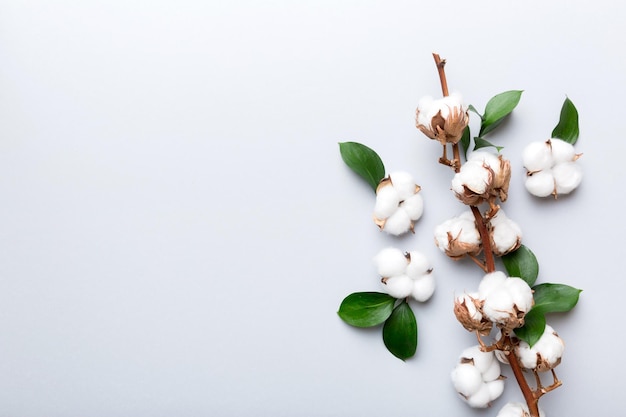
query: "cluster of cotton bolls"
515, 409
477, 377
501, 301
405, 274
398, 203
459, 236
551, 168
543, 356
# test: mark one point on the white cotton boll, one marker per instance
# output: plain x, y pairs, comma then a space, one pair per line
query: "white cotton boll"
527, 357
418, 265
423, 288
567, 177
390, 262
493, 372
513, 409
414, 206
468, 301
506, 234
441, 234
466, 230
457, 184
455, 226
537, 156
540, 184
486, 158
398, 223
466, 379
404, 184
498, 306
399, 286
490, 282
424, 107
521, 293
562, 151
496, 388
480, 399
482, 360
548, 349
387, 200
474, 176
550, 346
446, 104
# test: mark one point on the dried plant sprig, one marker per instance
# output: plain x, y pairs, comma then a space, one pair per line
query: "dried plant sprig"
507, 303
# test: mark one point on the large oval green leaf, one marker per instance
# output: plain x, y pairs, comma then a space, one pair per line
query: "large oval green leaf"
498, 107
400, 332
567, 128
555, 298
534, 326
364, 161
366, 309
523, 264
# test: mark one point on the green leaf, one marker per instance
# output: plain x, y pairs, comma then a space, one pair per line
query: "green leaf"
555, 298
465, 141
364, 161
400, 332
533, 328
498, 107
567, 128
473, 109
366, 309
522, 263
482, 143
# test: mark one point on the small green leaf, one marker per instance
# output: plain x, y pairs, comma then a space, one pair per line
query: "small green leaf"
533, 328
567, 128
555, 298
482, 143
364, 161
400, 332
473, 109
523, 264
366, 309
498, 107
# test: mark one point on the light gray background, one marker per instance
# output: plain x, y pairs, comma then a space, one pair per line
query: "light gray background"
177, 228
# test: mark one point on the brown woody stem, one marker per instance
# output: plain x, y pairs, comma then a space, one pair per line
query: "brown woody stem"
531, 399
490, 264
456, 154
442, 74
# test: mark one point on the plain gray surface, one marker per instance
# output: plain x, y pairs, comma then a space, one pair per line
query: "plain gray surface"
177, 228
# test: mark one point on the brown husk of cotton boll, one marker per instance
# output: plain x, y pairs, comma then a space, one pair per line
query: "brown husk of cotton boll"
501, 180
514, 320
445, 130
463, 315
457, 249
497, 187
